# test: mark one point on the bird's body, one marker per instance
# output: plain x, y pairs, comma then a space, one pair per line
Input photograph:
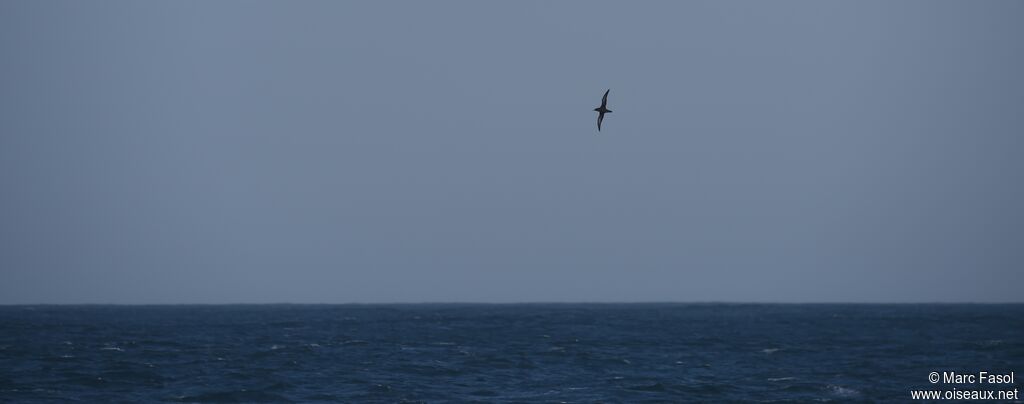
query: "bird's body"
603, 109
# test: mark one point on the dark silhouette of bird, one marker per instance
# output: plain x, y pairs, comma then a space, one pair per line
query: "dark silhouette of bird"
602, 110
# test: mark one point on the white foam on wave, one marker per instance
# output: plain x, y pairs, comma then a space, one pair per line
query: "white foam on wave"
842, 391
990, 343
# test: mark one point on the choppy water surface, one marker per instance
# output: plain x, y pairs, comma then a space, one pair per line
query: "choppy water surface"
498, 353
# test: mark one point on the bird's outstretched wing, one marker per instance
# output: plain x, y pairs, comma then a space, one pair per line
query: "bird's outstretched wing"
604, 100
600, 117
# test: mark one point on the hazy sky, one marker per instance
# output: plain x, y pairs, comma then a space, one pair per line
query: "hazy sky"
406, 151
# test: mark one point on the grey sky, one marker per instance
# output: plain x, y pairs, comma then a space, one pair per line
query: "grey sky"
381, 151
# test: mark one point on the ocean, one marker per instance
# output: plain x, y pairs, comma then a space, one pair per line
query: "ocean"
502, 353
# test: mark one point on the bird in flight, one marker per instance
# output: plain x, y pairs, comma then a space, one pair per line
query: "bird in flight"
602, 110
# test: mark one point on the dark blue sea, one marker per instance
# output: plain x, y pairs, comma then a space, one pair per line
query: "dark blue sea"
500, 353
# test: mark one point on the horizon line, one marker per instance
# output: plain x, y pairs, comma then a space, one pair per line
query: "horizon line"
567, 303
